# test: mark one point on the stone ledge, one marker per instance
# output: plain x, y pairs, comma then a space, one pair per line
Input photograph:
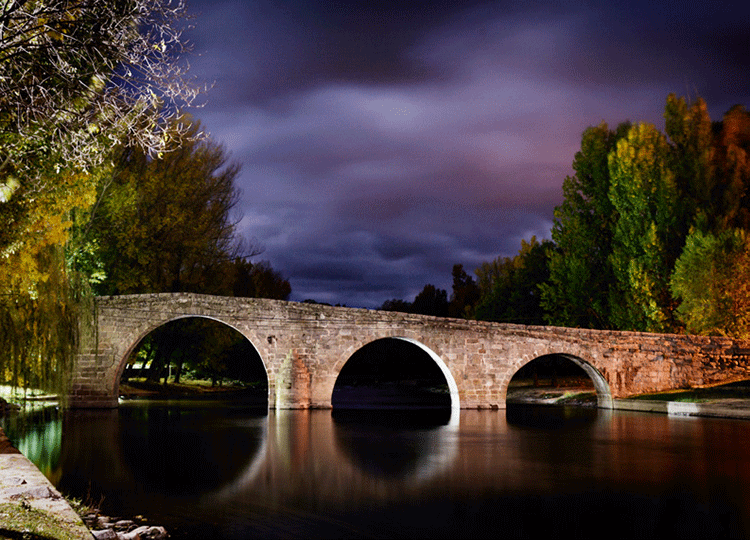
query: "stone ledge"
21, 482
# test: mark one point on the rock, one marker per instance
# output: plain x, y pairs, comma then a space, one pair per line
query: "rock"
124, 525
105, 534
145, 533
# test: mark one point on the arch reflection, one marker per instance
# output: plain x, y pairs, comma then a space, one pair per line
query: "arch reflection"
403, 445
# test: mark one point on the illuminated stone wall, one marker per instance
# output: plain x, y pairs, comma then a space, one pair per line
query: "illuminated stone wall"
304, 347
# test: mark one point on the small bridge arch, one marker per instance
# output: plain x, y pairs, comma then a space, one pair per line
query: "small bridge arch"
603, 391
303, 347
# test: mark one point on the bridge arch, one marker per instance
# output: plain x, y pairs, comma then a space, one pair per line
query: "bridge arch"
603, 391
135, 339
399, 336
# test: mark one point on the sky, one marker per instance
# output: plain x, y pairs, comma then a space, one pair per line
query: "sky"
382, 142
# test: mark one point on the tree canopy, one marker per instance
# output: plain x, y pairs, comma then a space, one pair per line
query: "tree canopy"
648, 236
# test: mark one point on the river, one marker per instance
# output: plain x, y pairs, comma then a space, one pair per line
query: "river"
228, 471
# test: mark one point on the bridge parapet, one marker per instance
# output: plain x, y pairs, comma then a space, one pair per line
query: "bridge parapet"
304, 346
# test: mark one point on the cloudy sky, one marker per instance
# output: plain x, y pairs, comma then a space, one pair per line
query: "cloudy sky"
383, 142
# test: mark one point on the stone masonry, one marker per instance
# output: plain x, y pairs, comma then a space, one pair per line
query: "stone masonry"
304, 347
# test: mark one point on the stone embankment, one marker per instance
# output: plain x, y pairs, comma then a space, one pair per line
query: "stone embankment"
25, 489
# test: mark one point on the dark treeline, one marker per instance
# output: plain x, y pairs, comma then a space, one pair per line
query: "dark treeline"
652, 235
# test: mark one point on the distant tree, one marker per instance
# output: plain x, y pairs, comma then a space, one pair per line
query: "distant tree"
465, 294
258, 280
431, 301
397, 305
510, 287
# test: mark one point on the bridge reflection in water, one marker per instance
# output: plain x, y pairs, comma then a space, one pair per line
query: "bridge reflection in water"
220, 471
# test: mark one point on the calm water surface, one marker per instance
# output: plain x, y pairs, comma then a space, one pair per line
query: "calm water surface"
224, 471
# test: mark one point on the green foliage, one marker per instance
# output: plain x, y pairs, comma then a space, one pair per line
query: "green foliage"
163, 225
509, 287
635, 196
646, 239
580, 270
76, 78
39, 329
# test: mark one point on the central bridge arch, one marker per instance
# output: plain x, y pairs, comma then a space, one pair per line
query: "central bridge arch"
304, 346
423, 351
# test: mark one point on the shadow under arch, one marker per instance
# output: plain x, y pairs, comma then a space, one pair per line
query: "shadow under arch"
255, 365
452, 402
600, 384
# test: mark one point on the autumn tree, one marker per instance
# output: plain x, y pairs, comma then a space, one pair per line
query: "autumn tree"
731, 163
711, 276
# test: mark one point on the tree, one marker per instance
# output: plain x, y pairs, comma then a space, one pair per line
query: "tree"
712, 281
690, 159
431, 301
165, 225
396, 304
76, 78
647, 239
510, 287
258, 280
71, 71
731, 191
465, 294
577, 293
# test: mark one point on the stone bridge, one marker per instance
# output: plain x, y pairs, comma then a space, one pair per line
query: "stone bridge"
304, 346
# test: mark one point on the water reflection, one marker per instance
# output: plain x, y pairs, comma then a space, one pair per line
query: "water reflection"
227, 472
548, 417
400, 444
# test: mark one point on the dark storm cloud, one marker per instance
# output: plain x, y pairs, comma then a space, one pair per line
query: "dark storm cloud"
381, 144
